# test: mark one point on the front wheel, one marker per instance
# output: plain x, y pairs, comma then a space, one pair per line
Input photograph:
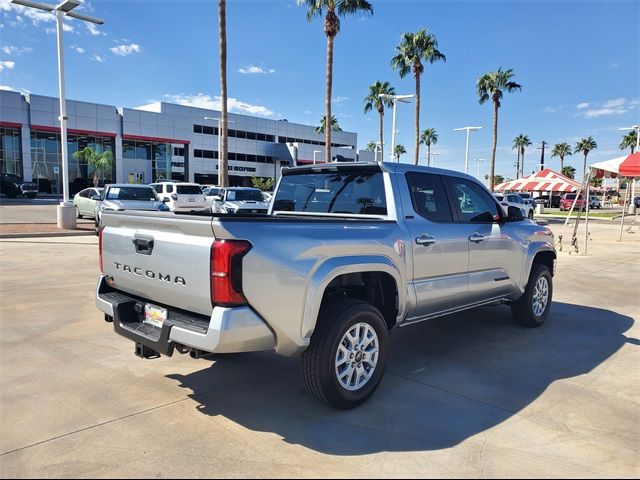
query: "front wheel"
347, 355
532, 309
531, 214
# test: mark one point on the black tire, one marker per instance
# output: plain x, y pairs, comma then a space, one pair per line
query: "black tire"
78, 213
97, 227
318, 361
530, 214
522, 309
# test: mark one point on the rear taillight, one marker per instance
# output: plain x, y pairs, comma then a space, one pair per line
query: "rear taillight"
226, 272
100, 247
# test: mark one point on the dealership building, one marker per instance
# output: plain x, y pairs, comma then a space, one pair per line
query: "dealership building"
154, 142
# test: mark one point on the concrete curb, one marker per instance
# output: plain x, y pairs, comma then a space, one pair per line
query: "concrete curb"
5, 236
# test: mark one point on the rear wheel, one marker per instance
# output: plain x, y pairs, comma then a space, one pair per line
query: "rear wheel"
532, 309
97, 226
78, 213
347, 356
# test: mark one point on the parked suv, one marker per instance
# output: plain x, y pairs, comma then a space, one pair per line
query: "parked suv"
569, 198
181, 197
515, 200
594, 202
12, 186
549, 201
528, 199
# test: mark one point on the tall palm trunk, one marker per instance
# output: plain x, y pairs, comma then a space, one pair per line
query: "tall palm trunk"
584, 167
223, 169
561, 163
518, 164
417, 150
495, 142
327, 101
428, 154
381, 112
522, 162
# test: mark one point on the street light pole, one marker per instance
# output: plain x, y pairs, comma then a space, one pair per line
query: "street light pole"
66, 216
466, 155
478, 160
395, 99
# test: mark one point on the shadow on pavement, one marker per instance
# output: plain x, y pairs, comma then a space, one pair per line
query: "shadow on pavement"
446, 381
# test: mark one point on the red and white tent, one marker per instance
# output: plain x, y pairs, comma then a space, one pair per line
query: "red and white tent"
626, 166
545, 180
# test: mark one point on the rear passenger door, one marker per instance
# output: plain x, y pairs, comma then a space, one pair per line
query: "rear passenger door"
439, 245
495, 256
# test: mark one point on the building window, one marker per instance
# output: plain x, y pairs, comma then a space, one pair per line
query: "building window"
45, 156
178, 151
10, 157
261, 137
207, 130
197, 129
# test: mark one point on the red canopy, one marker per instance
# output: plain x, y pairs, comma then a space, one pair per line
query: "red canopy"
545, 180
627, 166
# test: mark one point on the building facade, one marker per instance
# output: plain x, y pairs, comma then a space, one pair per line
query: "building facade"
154, 142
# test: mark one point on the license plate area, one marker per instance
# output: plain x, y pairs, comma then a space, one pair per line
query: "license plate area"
154, 315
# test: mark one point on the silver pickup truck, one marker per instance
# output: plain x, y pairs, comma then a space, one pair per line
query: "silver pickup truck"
347, 253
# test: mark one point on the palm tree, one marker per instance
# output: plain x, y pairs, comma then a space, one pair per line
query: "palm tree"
399, 150
561, 150
223, 170
323, 125
99, 161
490, 86
373, 100
629, 140
412, 50
520, 143
335, 9
585, 146
569, 171
372, 146
429, 137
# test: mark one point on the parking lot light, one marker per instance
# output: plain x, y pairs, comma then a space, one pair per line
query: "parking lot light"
66, 211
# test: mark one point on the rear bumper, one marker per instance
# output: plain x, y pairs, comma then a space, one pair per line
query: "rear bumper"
228, 330
191, 209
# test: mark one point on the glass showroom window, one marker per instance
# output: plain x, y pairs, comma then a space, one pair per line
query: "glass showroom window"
10, 158
46, 156
161, 162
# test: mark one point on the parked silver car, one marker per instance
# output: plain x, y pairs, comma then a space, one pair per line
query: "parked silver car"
86, 201
118, 197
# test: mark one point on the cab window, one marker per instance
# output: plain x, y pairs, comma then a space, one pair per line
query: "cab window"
169, 188
472, 203
429, 197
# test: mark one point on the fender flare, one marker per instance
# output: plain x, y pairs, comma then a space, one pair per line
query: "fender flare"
534, 249
336, 266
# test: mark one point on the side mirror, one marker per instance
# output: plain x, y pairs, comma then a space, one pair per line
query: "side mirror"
166, 200
514, 214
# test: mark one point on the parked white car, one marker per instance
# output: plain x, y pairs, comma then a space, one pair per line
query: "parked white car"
182, 197
515, 200
86, 200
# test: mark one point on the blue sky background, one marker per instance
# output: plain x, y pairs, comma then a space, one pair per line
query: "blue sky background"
578, 63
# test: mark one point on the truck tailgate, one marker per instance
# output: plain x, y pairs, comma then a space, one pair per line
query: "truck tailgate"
161, 257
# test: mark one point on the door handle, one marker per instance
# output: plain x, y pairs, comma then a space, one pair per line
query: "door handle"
143, 244
425, 240
476, 237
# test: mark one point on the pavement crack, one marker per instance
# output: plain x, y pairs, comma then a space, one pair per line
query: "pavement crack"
124, 417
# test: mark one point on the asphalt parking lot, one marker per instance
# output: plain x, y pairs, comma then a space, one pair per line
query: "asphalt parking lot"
471, 395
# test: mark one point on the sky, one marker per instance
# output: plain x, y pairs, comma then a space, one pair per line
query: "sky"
577, 62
